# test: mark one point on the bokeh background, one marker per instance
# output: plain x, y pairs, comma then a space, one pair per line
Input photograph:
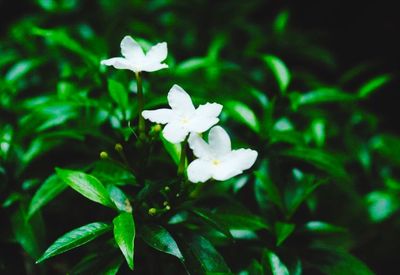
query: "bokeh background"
215, 49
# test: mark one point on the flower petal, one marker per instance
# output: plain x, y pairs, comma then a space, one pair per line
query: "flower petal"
179, 100
201, 124
205, 117
209, 110
174, 133
200, 148
234, 164
131, 49
162, 116
199, 171
152, 67
219, 141
117, 62
157, 53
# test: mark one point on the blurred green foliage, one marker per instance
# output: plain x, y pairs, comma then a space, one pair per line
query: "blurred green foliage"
321, 199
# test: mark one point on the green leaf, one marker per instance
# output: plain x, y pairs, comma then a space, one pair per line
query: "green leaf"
283, 231
271, 261
323, 227
124, 235
25, 233
210, 219
201, 257
281, 22
280, 71
174, 150
264, 184
75, 238
373, 85
321, 160
62, 38
381, 205
243, 114
336, 262
119, 198
319, 96
160, 239
240, 219
50, 189
109, 172
118, 93
387, 146
87, 185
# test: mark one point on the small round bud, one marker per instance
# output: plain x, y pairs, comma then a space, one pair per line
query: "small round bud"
166, 188
118, 147
167, 207
177, 195
152, 211
165, 203
103, 155
157, 128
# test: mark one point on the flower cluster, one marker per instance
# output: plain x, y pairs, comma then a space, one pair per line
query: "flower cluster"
183, 121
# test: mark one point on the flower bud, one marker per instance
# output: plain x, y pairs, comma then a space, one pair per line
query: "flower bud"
118, 147
103, 155
165, 203
167, 207
157, 128
152, 211
166, 188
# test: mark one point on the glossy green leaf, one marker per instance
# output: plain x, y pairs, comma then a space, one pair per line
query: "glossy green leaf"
272, 263
267, 188
320, 96
118, 93
283, 231
25, 232
240, 219
201, 257
119, 198
336, 262
321, 160
174, 150
243, 114
87, 185
381, 205
280, 71
210, 219
281, 22
323, 227
75, 238
49, 190
373, 85
124, 235
160, 239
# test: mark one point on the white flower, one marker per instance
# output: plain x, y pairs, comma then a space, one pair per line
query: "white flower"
216, 159
136, 60
183, 118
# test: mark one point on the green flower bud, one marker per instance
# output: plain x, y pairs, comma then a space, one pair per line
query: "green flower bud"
104, 155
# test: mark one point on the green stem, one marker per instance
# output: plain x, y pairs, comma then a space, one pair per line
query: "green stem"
141, 126
182, 161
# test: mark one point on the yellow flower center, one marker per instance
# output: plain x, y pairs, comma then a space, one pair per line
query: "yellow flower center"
216, 162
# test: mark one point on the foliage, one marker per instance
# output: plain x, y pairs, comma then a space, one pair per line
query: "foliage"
74, 171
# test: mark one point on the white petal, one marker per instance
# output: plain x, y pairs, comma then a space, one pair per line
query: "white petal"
162, 116
199, 124
209, 110
131, 49
200, 148
174, 133
179, 100
157, 53
118, 63
234, 164
152, 67
199, 171
219, 141
205, 117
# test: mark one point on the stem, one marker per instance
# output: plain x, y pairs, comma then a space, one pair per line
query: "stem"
141, 126
182, 161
